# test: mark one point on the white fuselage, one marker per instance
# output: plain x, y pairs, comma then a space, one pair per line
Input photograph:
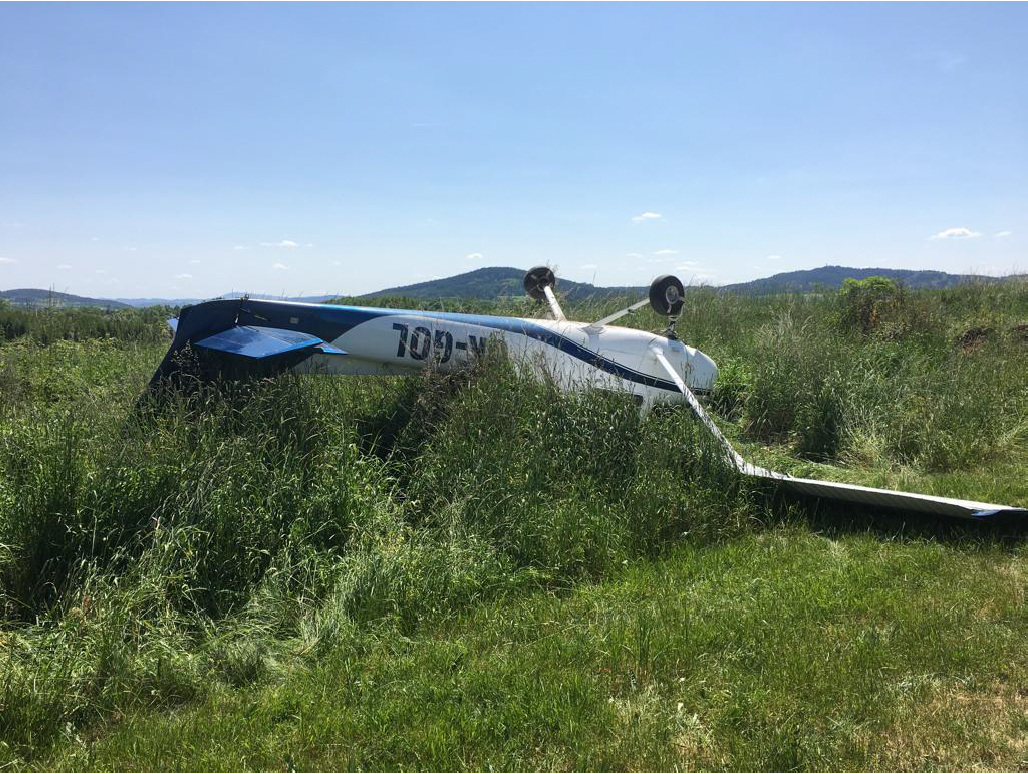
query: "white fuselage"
575, 356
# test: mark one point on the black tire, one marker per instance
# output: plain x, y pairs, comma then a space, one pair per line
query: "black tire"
537, 279
667, 295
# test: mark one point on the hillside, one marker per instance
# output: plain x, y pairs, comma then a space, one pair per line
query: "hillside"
505, 281
38, 297
808, 280
496, 282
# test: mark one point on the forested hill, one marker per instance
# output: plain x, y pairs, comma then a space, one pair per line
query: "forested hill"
45, 298
496, 282
504, 281
809, 280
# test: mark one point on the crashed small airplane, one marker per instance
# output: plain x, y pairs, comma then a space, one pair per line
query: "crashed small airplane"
238, 338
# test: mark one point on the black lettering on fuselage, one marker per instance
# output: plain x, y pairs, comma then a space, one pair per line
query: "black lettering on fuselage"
443, 345
420, 343
401, 348
477, 345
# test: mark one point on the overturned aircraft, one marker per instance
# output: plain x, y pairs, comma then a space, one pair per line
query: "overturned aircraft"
248, 337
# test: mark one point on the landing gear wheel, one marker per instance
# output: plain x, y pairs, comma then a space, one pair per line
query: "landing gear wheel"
667, 295
537, 279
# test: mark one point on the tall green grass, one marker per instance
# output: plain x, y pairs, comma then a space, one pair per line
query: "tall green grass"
149, 554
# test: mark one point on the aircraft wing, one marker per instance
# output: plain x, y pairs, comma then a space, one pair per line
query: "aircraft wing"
834, 490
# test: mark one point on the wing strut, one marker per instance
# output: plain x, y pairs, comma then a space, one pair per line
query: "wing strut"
551, 299
832, 490
619, 314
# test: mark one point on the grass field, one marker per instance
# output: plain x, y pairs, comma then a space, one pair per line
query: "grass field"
472, 572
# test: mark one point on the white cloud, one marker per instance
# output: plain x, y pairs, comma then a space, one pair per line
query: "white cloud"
956, 233
666, 251
195, 261
183, 276
337, 263
633, 255
64, 266
309, 244
240, 247
94, 239
7, 260
1003, 234
587, 266
473, 257
101, 271
284, 243
645, 216
774, 258
280, 266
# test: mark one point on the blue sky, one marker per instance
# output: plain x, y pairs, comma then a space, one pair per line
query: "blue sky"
191, 150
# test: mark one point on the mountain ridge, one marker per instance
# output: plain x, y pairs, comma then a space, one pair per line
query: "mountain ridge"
495, 282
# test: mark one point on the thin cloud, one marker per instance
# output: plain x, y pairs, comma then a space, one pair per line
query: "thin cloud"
666, 251
944, 61
633, 255
956, 233
279, 266
101, 271
7, 260
774, 258
1003, 234
587, 266
240, 247
645, 216
94, 239
288, 243
64, 266
473, 257
195, 260
183, 276
337, 263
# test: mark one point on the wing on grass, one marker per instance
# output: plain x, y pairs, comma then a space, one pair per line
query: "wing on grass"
833, 490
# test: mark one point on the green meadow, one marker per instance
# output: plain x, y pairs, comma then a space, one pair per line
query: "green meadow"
474, 572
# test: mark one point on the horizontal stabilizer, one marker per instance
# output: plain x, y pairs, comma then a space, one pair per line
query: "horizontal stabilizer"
255, 341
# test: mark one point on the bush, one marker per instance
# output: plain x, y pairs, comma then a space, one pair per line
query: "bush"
866, 303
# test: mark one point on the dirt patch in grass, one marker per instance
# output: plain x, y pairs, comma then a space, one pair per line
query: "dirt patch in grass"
959, 729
